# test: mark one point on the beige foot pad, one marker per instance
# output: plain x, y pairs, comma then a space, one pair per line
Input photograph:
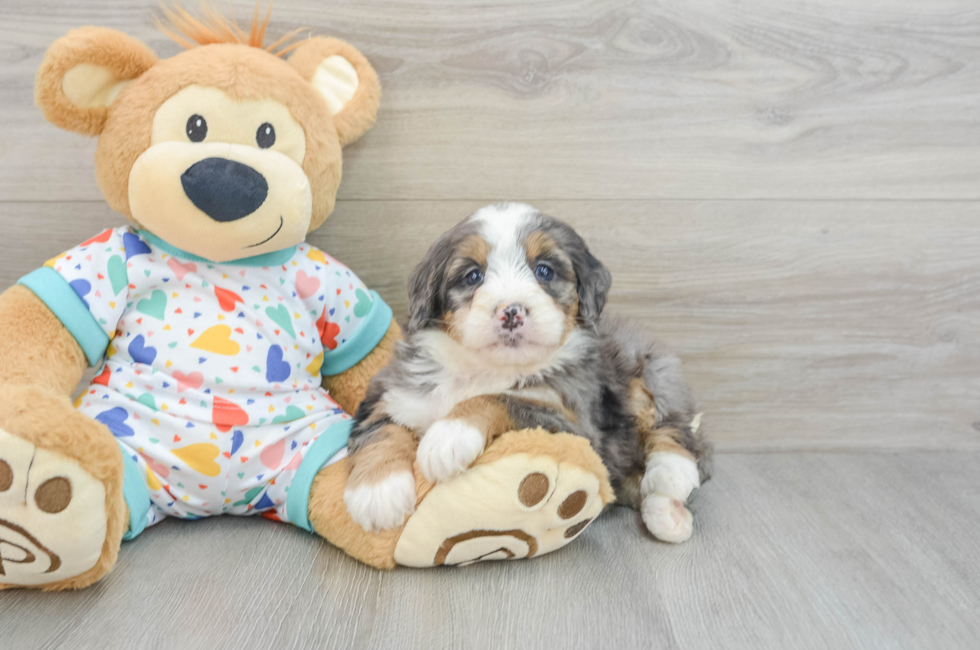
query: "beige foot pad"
52, 515
529, 494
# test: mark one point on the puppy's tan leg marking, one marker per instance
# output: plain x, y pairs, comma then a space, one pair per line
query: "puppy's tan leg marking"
380, 491
670, 477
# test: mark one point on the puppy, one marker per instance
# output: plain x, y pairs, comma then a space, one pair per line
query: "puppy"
504, 333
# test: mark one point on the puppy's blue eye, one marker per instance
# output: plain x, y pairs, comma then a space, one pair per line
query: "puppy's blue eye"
544, 273
474, 277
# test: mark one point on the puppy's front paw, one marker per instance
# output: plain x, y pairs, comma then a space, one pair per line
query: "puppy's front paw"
448, 447
380, 506
670, 474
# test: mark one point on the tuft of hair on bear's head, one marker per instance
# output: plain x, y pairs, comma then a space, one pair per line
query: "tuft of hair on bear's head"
180, 26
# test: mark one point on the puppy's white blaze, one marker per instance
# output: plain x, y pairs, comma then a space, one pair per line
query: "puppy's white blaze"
509, 279
448, 448
667, 518
670, 474
384, 505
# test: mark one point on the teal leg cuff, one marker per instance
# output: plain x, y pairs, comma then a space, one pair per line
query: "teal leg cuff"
329, 443
135, 494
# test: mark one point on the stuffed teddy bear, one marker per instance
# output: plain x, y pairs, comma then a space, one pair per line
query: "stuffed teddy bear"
229, 352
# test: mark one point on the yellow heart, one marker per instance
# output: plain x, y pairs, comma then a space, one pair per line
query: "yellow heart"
169, 363
217, 339
155, 421
129, 385
111, 351
220, 317
271, 408
200, 457
347, 304
164, 407
314, 367
166, 327
174, 295
112, 305
317, 256
257, 444
152, 480
78, 402
213, 436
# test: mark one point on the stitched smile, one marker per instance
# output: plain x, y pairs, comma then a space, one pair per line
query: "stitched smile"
270, 236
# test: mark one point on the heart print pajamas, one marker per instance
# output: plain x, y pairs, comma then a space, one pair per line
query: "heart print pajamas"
209, 374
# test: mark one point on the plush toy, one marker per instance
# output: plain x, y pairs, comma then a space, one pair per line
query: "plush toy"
217, 331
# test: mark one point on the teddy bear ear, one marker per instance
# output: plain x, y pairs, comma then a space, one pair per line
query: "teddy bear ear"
83, 72
344, 79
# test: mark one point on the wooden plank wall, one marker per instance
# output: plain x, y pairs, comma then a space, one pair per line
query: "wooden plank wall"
788, 192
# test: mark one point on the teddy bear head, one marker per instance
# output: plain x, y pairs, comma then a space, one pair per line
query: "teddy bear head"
226, 150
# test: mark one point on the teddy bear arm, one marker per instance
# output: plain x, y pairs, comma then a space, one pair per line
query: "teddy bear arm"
36, 349
349, 388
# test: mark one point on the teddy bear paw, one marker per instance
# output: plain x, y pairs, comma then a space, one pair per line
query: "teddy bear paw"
53, 519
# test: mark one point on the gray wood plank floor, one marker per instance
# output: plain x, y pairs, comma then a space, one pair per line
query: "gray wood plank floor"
818, 550
786, 191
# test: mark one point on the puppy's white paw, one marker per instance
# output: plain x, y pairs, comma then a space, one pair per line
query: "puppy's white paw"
671, 474
380, 506
448, 448
667, 518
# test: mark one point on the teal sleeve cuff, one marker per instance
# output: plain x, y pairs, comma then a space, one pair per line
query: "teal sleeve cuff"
367, 336
323, 449
135, 494
62, 300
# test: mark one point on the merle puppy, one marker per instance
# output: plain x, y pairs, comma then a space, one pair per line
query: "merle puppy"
505, 333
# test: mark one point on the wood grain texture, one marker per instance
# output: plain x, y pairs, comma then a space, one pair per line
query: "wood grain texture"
609, 99
802, 325
819, 550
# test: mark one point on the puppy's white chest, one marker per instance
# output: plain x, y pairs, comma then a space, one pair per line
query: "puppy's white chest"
419, 411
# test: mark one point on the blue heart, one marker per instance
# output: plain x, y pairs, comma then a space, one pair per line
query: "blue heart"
114, 419
134, 245
276, 369
140, 352
237, 439
81, 287
264, 502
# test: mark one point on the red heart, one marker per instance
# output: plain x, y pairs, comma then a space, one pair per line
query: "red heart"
177, 438
226, 299
101, 238
227, 414
103, 377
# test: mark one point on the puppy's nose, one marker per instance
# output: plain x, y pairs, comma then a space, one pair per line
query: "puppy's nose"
512, 316
223, 189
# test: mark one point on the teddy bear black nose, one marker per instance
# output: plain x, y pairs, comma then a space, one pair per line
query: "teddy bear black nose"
223, 189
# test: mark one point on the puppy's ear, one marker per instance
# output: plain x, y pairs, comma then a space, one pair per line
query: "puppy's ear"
593, 280
345, 79
83, 72
426, 287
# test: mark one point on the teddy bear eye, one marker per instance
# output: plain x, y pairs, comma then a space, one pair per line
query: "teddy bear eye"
197, 128
265, 137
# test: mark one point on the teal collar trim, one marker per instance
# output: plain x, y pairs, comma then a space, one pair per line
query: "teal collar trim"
275, 258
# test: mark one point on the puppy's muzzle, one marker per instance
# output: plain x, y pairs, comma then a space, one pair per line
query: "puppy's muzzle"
223, 189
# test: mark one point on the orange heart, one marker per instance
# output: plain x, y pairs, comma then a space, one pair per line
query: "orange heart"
226, 299
227, 414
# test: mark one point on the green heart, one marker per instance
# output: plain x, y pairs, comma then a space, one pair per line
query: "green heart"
117, 274
155, 305
241, 474
251, 494
147, 400
172, 345
282, 318
363, 305
154, 440
256, 369
219, 380
292, 413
